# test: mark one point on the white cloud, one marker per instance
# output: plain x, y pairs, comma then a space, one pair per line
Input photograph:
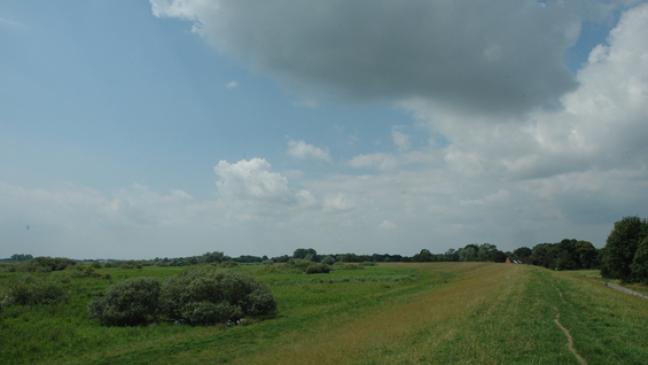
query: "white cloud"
232, 84
381, 161
337, 202
535, 175
251, 179
509, 59
304, 151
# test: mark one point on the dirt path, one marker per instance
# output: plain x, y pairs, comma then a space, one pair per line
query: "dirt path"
570, 339
625, 290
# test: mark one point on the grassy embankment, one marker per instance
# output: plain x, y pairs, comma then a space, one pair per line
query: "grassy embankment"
393, 313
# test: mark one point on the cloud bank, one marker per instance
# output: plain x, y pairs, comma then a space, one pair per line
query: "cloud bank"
531, 152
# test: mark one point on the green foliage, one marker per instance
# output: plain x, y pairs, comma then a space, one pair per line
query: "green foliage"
424, 256
211, 313
621, 246
523, 254
317, 268
30, 291
47, 264
215, 256
128, 303
184, 297
640, 262
302, 253
328, 260
85, 272
20, 257
299, 264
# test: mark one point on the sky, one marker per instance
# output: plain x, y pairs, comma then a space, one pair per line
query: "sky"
137, 129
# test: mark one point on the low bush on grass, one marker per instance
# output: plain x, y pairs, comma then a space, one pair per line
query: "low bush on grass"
318, 268
211, 313
197, 298
85, 272
131, 302
328, 260
30, 291
47, 264
208, 297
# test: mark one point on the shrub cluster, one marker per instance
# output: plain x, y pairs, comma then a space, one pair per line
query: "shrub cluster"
130, 302
30, 291
318, 268
199, 297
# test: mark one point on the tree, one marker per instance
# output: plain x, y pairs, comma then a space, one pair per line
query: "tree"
468, 253
215, 256
544, 254
622, 243
640, 262
21, 257
523, 254
302, 253
423, 256
486, 252
328, 260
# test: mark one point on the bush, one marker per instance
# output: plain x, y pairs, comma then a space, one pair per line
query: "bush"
47, 264
184, 297
348, 266
328, 260
318, 268
211, 313
131, 302
300, 264
31, 291
85, 272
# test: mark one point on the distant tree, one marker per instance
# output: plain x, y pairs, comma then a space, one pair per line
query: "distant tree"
621, 246
328, 260
486, 252
523, 254
499, 256
544, 254
424, 256
640, 262
586, 254
302, 253
21, 257
469, 253
215, 256
451, 255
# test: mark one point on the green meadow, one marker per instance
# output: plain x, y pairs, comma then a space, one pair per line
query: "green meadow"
438, 313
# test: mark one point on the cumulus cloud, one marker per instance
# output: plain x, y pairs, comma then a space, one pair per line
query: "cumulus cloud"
252, 178
599, 125
499, 56
304, 151
232, 84
510, 173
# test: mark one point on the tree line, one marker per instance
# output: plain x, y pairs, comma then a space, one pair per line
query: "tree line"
624, 257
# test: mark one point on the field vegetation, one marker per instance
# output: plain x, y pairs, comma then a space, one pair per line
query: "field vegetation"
387, 313
464, 306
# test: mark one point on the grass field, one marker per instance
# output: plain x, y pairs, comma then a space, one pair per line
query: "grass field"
470, 313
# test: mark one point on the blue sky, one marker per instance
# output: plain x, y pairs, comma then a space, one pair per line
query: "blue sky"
374, 129
104, 94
